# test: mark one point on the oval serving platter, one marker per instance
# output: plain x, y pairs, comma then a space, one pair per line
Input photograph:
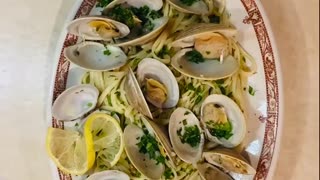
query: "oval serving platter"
265, 107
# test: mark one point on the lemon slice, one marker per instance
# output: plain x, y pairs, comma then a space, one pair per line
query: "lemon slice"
71, 152
107, 139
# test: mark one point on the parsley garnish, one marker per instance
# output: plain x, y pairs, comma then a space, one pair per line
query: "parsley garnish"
186, 113
89, 104
149, 145
103, 3
168, 173
188, 2
164, 51
194, 56
123, 15
252, 92
148, 26
107, 52
220, 130
191, 135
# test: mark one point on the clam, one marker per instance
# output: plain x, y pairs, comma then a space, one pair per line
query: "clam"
160, 85
229, 161
142, 161
223, 121
143, 26
98, 28
109, 175
185, 135
210, 172
75, 102
134, 94
198, 7
204, 52
96, 56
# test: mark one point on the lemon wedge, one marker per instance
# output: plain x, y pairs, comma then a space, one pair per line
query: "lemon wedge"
71, 152
107, 139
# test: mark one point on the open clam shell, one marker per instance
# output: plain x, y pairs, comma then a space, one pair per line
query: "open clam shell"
229, 161
142, 162
109, 175
180, 120
187, 38
134, 94
210, 172
207, 70
95, 56
138, 35
231, 113
199, 7
98, 28
150, 68
75, 102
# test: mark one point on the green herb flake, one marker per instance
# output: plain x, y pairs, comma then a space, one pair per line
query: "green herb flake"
191, 135
107, 52
76, 125
220, 130
194, 56
164, 51
99, 132
188, 2
252, 92
122, 14
149, 145
103, 3
186, 113
109, 100
90, 104
113, 113
208, 52
168, 174
199, 99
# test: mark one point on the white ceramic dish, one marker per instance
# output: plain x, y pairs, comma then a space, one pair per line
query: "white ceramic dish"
265, 108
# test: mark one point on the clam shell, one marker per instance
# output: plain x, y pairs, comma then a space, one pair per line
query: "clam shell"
219, 157
142, 162
209, 172
109, 175
90, 56
75, 102
152, 68
186, 38
185, 151
134, 94
207, 70
199, 7
80, 27
235, 116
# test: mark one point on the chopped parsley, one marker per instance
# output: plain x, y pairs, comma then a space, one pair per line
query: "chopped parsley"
109, 100
107, 52
103, 3
188, 2
76, 125
148, 26
164, 51
252, 92
149, 145
194, 56
220, 130
191, 135
89, 104
123, 15
168, 174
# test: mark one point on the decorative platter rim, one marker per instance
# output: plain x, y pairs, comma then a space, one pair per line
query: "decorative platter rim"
256, 16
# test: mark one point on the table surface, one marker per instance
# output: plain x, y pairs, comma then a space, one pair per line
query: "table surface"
28, 32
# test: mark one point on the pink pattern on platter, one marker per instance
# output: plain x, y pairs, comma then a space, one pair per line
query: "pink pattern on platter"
255, 18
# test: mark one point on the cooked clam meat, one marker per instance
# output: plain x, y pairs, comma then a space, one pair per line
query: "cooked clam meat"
212, 47
217, 121
105, 29
156, 92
